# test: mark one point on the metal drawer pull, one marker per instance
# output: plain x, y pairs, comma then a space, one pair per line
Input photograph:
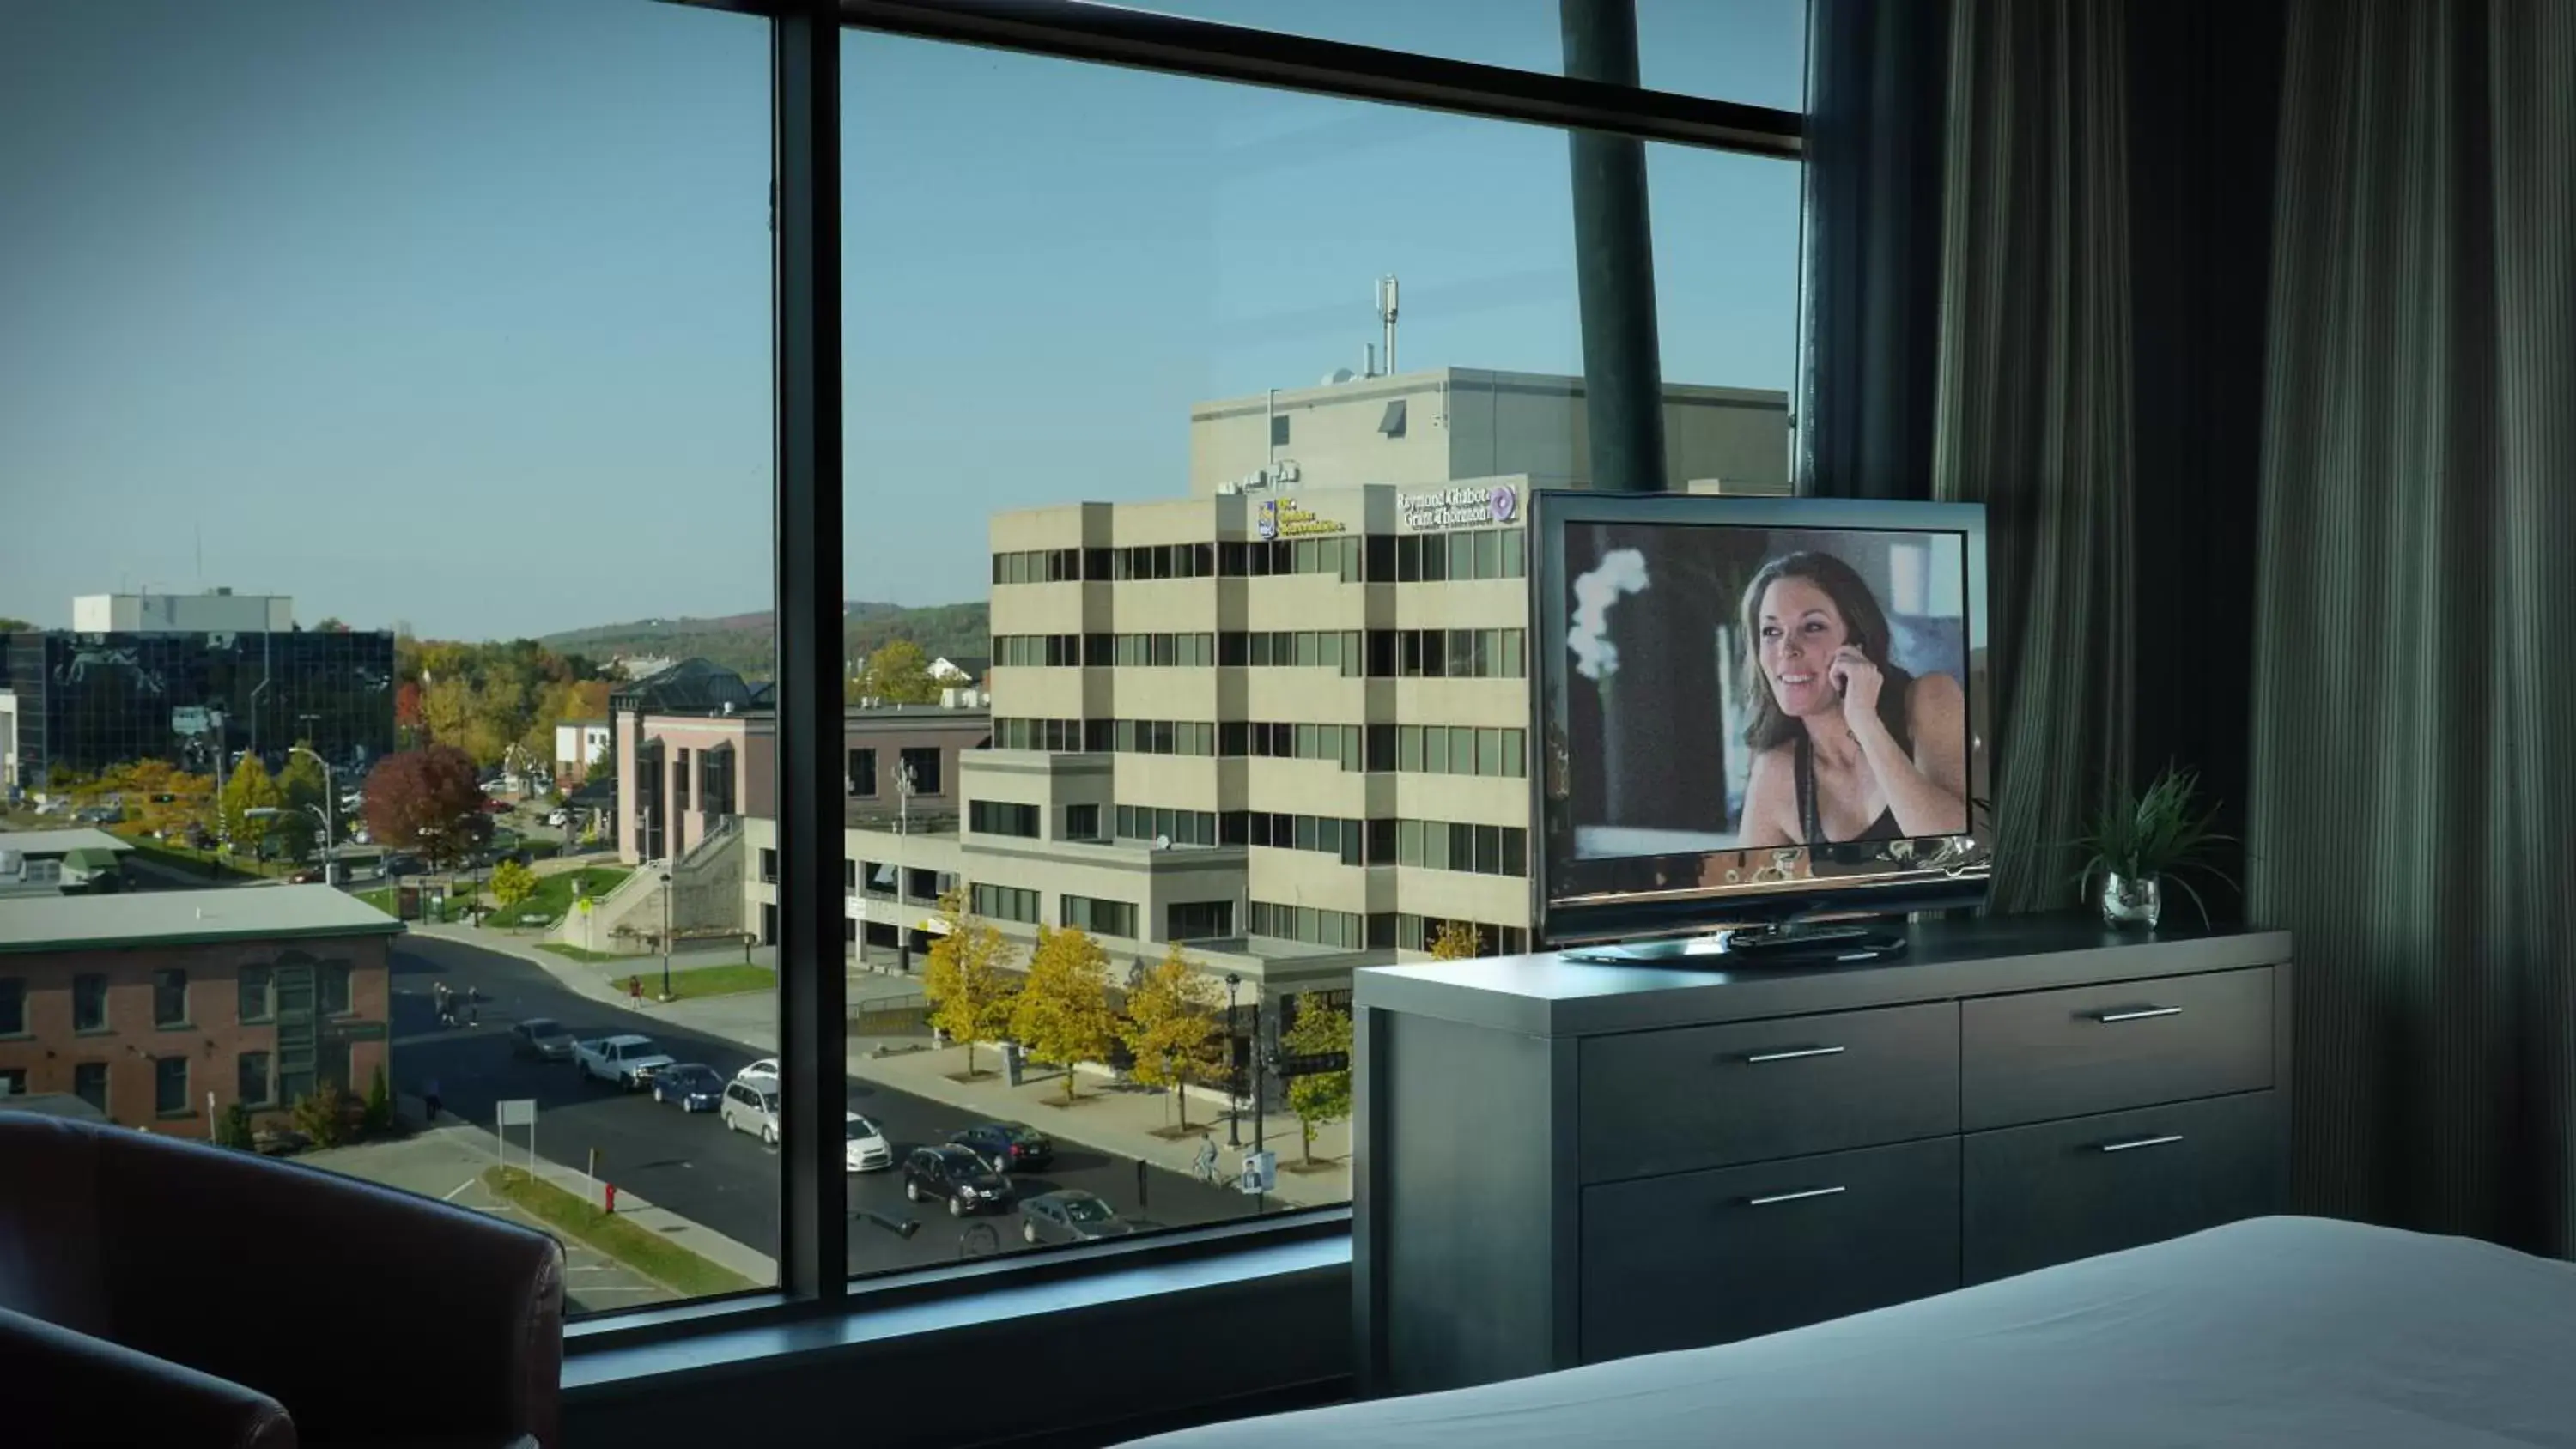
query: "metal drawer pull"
2158, 1141
2146, 1013
1791, 1196
1794, 1054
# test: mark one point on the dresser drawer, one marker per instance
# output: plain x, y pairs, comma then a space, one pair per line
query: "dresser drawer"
1710, 1257
2033, 1196
1714, 1096
2050, 1054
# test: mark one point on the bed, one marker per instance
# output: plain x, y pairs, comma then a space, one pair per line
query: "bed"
2271, 1331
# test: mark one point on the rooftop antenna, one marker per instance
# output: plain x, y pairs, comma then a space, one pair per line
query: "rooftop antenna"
1386, 317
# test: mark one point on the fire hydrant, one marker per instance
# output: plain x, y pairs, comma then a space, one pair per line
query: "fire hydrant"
611, 1207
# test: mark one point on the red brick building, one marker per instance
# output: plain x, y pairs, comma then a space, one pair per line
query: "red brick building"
148, 1005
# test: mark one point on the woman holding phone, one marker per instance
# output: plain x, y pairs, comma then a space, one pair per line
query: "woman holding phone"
1847, 746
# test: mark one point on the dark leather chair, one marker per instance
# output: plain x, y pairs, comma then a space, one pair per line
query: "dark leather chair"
158, 1291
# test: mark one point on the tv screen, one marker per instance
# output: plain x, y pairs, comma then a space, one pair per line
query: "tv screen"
1754, 709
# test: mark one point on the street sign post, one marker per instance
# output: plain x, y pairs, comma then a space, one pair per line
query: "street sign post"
516, 1112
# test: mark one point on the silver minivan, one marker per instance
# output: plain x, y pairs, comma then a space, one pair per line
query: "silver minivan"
752, 1107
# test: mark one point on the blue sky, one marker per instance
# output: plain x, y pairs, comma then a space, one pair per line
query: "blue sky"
458, 314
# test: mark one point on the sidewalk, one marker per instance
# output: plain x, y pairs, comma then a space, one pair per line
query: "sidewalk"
447, 1162
1109, 1115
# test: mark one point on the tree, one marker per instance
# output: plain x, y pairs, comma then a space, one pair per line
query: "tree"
969, 990
306, 789
378, 1114
16, 626
331, 625
605, 767
1318, 1097
250, 788
899, 673
1458, 941
1171, 1027
159, 797
447, 708
512, 883
427, 800
234, 1130
1063, 1013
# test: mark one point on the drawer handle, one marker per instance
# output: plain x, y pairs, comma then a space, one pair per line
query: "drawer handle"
1801, 1196
2144, 1013
1795, 1054
2136, 1142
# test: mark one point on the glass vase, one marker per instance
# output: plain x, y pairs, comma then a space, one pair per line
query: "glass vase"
2132, 900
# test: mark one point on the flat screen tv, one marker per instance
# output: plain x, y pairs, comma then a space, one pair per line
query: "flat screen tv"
1753, 716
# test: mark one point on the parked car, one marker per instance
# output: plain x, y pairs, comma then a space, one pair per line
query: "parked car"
954, 1175
694, 1085
496, 806
766, 1067
749, 1107
397, 865
1070, 1216
1007, 1146
309, 875
542, 1039
630, 1060
868, 1149
558, 817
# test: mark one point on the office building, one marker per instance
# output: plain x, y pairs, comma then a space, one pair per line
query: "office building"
162, 1010
192, 681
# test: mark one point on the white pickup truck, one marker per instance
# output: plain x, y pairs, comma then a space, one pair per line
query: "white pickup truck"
630, 1061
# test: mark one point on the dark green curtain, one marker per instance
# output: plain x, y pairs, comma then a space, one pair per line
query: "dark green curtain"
2032, 412
2413, 816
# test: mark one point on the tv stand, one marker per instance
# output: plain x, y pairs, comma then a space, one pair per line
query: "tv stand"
1798, 942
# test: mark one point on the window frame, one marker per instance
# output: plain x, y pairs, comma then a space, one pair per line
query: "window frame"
13, 991
808, 323
186, 1019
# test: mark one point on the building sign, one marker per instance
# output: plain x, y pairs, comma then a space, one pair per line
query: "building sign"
1287, 518
1475, 507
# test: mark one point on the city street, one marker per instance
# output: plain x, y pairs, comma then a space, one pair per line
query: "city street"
688, 1163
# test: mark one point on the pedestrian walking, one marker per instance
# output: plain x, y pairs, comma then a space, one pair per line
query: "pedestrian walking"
446, 1004
473, 1014
1205, 1166
635, 992
429, 1099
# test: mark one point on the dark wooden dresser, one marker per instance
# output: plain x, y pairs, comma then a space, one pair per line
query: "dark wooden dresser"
1558, 1163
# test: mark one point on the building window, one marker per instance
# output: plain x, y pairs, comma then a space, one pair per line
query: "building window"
923, 764
13, 1006
170, 998
877, 878
255, 995
1005, 903
1099, 917
1002, 817
89, 1083
13, 1083
252, 1080
1475, 849
768, 866
1279, 430
1344, 930
1198, 920
863, 773
849, 877
1082, 822
170, 1086
334, 981
680, 779
89, 1003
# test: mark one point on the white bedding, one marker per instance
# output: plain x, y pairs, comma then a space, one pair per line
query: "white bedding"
2277, 1331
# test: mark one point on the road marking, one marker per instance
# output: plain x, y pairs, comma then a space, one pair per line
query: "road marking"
460, 1187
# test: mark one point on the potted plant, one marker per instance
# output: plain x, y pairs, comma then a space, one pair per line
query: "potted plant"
2139, 842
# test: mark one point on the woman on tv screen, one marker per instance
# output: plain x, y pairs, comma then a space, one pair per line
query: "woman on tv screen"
1846, 745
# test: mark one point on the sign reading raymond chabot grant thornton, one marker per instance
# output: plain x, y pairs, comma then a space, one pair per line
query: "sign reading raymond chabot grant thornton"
1479, 506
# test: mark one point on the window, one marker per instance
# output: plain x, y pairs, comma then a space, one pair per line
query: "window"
13, 1006
89, 1002
863, 773
923, 763
1005, 903
256, 1004
1002, 817
1341, 929
680, 778
768, 866
13, 1083
1279, 431
332, 978
170, 998
1198, 920
89, 1083
1099, 917
251, 1084
170, 1086
1476, 849
1082, 822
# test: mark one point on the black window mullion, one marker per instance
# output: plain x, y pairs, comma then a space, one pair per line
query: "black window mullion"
805, 102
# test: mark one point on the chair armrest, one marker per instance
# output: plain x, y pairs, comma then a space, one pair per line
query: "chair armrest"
328, 1292
68, 1388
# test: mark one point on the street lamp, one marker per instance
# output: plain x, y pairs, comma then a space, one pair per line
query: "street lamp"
666, 935
330, 811
1234, 1067
271, 812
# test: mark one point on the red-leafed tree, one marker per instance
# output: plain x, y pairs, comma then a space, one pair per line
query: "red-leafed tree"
427, 800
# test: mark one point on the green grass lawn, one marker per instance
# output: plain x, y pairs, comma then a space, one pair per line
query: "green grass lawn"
555, 895
642, 1249
580, 953
195, 862
381, 898
718, 981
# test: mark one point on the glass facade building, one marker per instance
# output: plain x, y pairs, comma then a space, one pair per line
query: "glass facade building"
88, 701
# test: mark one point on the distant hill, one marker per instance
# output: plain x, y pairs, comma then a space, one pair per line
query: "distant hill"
748, 642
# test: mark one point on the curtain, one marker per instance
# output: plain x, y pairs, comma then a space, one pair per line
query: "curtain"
2032, 407
2414, 785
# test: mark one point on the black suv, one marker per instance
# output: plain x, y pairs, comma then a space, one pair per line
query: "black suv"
956, 1176
1007, 1146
